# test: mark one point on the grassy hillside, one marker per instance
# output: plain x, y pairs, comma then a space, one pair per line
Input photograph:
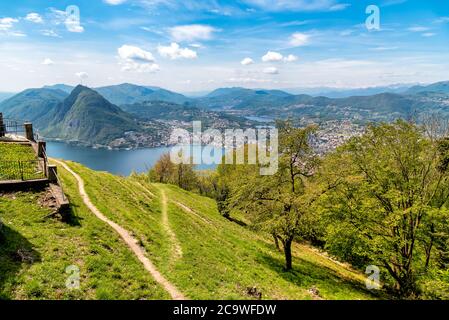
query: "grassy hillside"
35, 252
204, 255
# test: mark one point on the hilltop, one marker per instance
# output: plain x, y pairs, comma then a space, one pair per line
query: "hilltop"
201, 253
88, 117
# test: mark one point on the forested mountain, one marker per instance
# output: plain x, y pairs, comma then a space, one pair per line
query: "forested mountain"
439, 87
168, 111
5, 95
33, 105
86, 116
129, 93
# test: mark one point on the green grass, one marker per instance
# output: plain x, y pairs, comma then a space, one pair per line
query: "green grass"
14, 152
108, 269
18, 161
220, 259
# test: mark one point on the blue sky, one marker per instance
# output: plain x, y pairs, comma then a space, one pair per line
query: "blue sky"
191, 46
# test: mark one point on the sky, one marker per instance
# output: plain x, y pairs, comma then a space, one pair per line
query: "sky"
197, 46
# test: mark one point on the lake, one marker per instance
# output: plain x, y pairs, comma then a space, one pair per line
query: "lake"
120, 162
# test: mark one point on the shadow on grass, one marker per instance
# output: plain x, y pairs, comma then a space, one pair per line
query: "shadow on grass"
70, 217
15, 253
306, 274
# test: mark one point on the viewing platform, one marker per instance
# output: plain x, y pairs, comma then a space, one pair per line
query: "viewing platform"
24, 163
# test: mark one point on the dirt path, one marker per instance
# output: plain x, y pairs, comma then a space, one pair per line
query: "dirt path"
164, 204
188, 210
129, 240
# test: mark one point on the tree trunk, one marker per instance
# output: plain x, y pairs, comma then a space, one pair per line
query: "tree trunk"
288, 254
276, 241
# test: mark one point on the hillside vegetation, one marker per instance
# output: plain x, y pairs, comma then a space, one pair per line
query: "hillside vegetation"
204, 255
35, 252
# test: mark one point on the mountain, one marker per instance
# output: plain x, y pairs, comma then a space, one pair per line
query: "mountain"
62, 87
379, 107
129, 93
5, 95
32, 105
168, 111
241, 98
87, 117
439, 87
346, 93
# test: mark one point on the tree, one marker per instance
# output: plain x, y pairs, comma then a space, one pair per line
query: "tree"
165, 171
392, 185
185, 176
279, 203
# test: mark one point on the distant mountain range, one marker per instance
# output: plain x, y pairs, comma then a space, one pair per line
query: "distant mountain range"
129, 115
5, 95
84, 116
128, 93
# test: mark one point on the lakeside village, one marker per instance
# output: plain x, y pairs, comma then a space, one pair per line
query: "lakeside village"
329, 136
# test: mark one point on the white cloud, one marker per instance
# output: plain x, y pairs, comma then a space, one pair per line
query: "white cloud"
418, 29
428, 34
247, 61
271, 70
136, 59
296, 5
132, 53
82, 75
73, 26
16, 34
48, 62
50, 33
299, 39
339, 6
174, 51
34, 17
381, 48
114, 2
272, 56
290, 58
442, 20
7, 23
248, 80
192, 32
71, 23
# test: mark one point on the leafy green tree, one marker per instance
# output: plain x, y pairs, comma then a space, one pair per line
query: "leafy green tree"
392, 185
165, 171
276, 204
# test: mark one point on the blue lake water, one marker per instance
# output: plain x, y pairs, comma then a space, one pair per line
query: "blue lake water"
120, 162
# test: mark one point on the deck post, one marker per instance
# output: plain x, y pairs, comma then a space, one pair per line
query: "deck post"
41, 148
29, 131
2, 126
52, 173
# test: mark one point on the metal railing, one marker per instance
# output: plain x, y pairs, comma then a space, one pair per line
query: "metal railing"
22, 170
54, 174
11, 126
